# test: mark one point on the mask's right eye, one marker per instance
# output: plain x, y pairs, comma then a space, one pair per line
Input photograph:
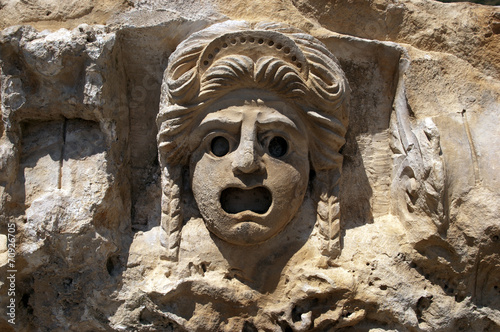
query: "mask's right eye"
219, 146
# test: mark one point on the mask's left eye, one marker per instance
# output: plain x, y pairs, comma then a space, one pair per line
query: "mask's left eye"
278, 147
219, 146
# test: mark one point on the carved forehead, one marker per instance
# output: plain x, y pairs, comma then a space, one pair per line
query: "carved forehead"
267, 113
234, 105
255, 97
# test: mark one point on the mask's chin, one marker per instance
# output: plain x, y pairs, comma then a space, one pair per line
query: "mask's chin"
236, 200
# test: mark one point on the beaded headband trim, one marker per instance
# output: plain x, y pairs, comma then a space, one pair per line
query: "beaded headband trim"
255, 44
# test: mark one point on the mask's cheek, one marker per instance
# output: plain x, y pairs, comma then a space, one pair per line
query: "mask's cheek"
287, 180
288, 185
206, 178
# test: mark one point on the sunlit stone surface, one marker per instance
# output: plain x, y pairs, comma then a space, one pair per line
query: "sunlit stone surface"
176, 165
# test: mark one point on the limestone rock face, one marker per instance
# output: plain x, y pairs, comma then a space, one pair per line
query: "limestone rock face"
249, 166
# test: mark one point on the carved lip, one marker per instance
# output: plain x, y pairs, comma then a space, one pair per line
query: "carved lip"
255, 200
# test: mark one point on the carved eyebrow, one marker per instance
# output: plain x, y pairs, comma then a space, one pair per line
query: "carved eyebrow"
284, 121
214, 123
217, 122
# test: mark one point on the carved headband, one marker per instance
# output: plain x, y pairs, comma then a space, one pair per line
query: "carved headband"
255, 44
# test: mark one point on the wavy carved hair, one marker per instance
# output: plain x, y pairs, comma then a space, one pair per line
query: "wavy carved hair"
271, 57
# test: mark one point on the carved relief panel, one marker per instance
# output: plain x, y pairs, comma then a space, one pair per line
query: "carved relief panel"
252, 118
173, 175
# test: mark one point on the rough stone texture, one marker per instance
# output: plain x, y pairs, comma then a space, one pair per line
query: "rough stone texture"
419, 192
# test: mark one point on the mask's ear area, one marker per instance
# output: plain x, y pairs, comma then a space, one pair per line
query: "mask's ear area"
326, 197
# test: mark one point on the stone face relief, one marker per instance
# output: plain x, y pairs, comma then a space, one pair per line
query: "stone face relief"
251, 121
250, 170
260, 111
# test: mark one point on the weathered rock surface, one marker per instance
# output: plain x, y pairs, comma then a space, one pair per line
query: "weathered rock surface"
419, 195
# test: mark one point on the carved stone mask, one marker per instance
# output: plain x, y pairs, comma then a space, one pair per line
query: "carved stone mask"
250, 169
249, 109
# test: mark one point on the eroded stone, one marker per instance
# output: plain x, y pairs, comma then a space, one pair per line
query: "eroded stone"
108, 237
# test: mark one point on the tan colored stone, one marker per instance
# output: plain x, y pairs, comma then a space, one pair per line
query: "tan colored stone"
53, 14
407, 237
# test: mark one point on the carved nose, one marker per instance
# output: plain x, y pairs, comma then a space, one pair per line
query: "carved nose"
246, 160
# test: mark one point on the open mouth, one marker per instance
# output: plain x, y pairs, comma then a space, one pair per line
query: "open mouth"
235, 200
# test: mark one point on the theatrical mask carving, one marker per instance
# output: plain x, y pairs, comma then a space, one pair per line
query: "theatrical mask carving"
250, 172
251, 121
